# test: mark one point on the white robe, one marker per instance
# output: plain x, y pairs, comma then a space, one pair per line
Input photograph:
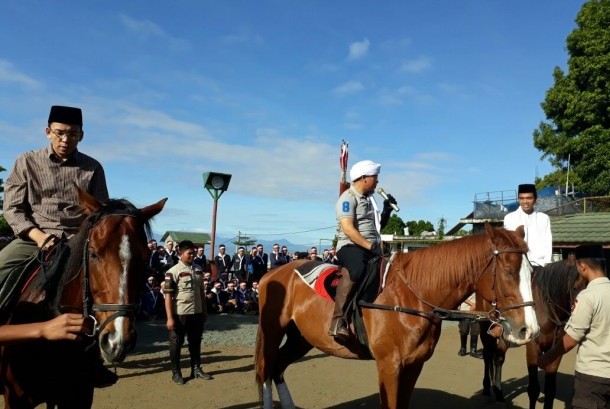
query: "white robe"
537, 234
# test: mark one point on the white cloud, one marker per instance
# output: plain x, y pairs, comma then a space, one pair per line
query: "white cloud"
143, 28
146, 29
358, 49
416, 66
453, 89
349, 87
8, 73
242, 38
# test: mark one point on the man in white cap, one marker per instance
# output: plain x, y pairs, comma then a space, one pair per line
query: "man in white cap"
359, 237
537, 225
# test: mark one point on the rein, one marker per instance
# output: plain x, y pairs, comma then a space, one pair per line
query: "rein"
494, 315
89, 308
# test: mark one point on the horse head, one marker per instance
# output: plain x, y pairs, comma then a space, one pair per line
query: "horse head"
112, 245
576, 282
506, 286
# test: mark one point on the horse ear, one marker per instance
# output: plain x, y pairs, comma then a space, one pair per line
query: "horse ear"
571, 260
88, 203
489, 230
520, 230
151, 211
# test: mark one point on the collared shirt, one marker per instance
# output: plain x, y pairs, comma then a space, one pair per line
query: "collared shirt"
186, 286
589, 324
40, 191
537, 234
354, 205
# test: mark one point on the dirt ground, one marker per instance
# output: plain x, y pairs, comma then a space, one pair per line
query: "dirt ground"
447, 380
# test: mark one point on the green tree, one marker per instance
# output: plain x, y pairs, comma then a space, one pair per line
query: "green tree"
577, 107
244, 241
395, 226
416, 228
440, 230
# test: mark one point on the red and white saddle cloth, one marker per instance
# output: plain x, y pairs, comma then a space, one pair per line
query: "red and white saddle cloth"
323, 278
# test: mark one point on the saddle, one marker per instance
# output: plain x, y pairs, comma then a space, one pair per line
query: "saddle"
324, 278
48, 262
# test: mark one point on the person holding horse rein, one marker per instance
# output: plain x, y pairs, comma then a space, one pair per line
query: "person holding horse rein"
41, 203
589, 328
537, 225
359, 237
66, 327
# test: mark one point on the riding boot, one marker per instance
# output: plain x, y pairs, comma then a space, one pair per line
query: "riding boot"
463, 340
338, 325
473, 348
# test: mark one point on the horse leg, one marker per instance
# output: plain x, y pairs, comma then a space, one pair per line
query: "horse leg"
396, 383
550, 387
408, 378
490, 345
533, 386
293, 349
498, 362
268, 340
550, 383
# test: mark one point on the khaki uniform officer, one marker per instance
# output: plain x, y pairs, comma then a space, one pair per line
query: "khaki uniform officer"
589, 328
186, 311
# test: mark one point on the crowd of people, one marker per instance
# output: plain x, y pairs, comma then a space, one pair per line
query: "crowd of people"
234, 288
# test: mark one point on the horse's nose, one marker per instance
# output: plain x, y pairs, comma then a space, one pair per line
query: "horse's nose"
527, 334
116, 344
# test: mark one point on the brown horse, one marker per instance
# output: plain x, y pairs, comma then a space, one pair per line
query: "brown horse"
101, 278
442, 276
554, 287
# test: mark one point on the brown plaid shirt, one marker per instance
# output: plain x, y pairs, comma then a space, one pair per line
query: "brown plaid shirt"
40, 192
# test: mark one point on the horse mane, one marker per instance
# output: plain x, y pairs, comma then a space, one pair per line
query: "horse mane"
455, 263
54, 284
446, 261
554, 281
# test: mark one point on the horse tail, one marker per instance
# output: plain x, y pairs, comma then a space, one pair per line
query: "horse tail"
259, 363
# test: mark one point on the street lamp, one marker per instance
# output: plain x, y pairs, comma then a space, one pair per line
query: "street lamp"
216, 184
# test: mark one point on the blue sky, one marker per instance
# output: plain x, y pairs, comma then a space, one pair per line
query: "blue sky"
444, 94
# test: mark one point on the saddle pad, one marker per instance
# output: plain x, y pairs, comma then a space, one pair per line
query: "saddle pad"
323, 278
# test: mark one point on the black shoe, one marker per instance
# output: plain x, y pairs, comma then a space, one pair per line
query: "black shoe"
103, 377
476, 354
198, 373
177, 378
462, 351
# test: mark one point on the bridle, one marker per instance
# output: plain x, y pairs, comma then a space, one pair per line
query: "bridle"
88, 307
494, 315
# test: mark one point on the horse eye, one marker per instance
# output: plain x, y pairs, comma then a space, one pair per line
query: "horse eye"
93, 256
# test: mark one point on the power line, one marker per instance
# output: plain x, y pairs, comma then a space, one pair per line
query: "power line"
297, 232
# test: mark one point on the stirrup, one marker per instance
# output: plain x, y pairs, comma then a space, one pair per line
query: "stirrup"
342, 335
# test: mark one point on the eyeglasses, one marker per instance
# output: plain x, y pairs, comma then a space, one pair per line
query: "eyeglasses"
60, 133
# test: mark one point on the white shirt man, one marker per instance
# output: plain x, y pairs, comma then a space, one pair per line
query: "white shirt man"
537, 226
